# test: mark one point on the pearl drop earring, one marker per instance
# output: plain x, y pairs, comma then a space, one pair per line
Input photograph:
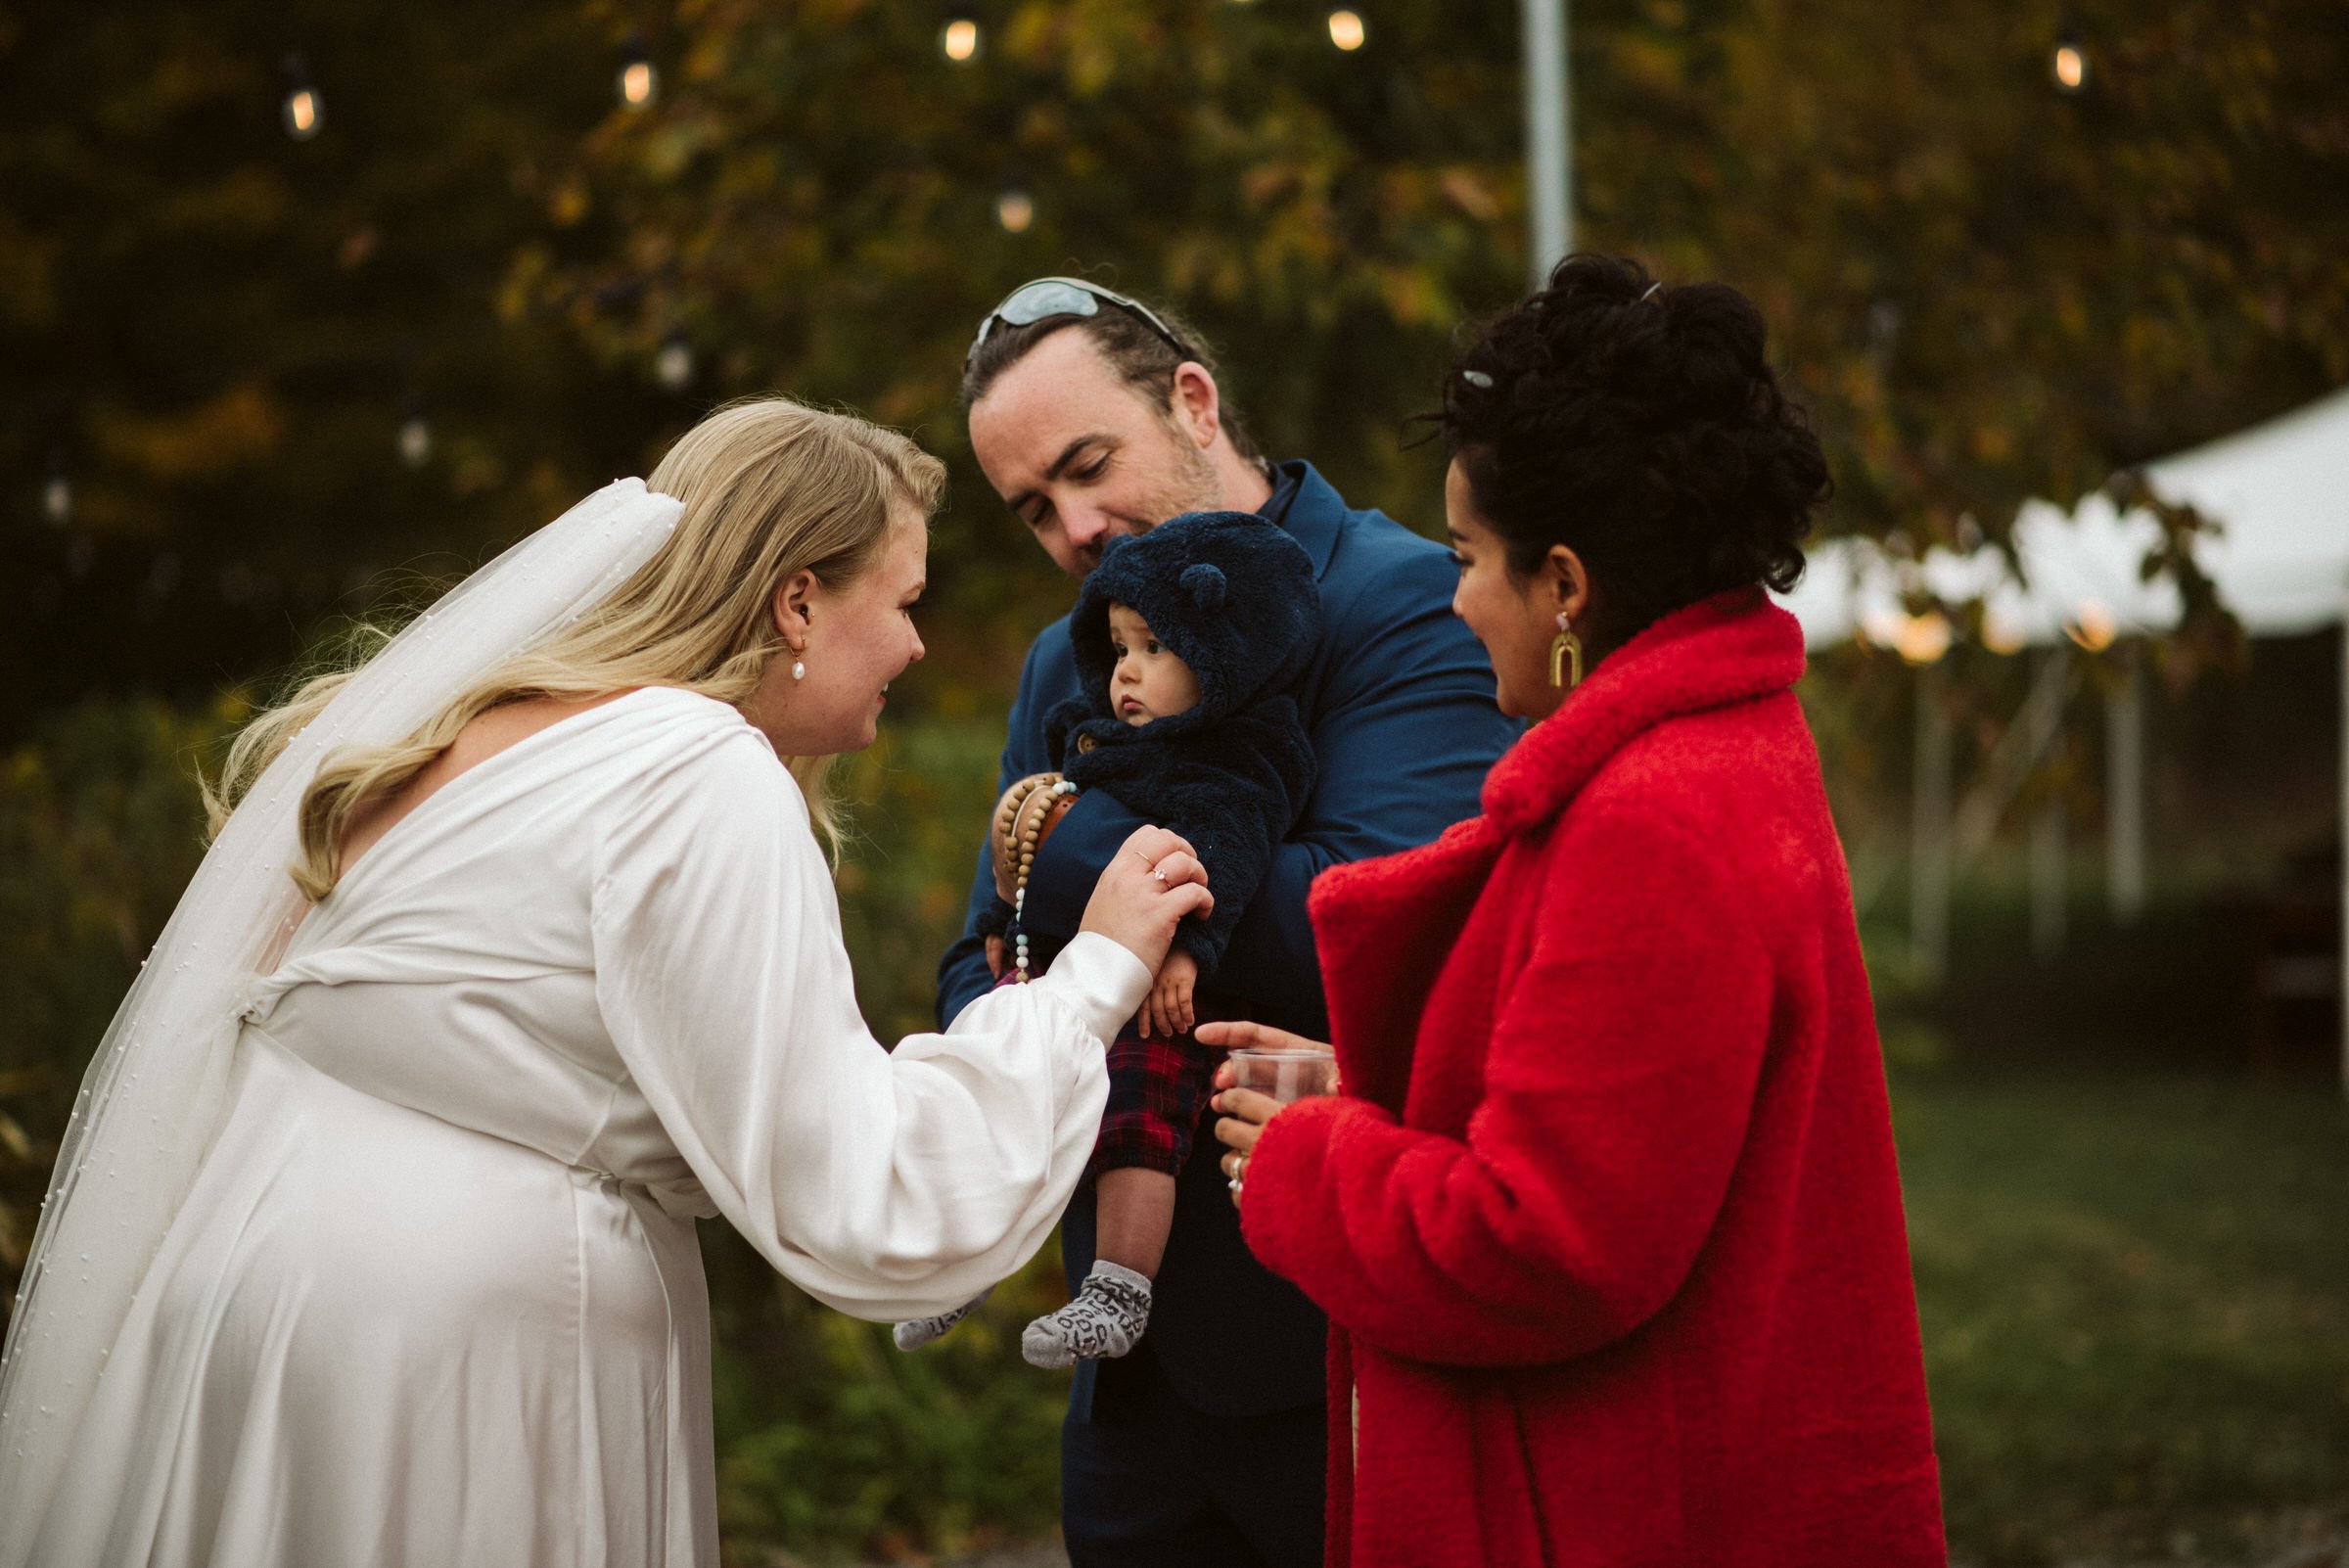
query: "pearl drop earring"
799, 670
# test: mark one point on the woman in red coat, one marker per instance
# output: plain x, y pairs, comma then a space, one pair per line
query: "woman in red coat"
1606, 1219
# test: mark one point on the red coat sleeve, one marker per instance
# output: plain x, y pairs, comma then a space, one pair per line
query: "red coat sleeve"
1619, 1080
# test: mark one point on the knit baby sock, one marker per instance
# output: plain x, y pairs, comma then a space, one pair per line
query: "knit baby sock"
915, 1332
1111, 1310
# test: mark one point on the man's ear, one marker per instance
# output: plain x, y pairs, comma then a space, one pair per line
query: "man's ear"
790, 610
1195, 404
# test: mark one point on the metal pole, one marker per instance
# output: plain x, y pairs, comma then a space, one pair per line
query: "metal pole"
2125, 788
1548, 127
2048, 849
2048, 855
1929, 832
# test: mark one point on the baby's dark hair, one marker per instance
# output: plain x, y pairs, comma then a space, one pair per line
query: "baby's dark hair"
1642, 428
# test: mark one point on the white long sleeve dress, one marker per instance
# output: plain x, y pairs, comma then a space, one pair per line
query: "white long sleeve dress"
435, 1297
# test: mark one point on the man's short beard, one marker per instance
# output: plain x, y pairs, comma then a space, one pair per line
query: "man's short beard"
1194, 488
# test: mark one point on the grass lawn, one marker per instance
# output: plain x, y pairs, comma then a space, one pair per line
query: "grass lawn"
2135, 1290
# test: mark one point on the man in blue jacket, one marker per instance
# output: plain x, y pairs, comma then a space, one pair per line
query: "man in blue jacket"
1094, 415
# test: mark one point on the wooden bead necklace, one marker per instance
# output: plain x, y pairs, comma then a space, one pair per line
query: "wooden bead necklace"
1030, 812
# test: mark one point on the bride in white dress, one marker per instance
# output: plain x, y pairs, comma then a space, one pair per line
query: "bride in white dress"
376, 1247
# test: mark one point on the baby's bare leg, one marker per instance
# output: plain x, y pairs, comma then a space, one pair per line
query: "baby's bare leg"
1137, 1208
1136, 1211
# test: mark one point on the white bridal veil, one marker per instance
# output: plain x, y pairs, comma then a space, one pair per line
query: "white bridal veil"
152, 1100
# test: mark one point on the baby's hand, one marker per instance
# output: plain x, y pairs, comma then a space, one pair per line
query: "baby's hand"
1167, 1011
996, 954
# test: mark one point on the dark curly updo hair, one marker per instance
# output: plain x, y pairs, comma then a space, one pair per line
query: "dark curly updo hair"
1642, 428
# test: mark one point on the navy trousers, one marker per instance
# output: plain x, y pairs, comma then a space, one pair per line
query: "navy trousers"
1150, 1480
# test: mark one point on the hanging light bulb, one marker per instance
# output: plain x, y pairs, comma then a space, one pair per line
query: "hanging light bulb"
1346, 29
302, 113
1923, 640
638, 81
57, 496
2071, 61
672, 364
415, 435
959, 38
2093, 626
1014, 211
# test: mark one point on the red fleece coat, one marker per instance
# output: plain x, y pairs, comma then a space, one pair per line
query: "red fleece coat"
1607, 1224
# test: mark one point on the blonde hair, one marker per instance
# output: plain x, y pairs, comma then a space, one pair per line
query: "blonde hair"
771, 487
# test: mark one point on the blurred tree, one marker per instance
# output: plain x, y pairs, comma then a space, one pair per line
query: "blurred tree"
217, 335
1988, 287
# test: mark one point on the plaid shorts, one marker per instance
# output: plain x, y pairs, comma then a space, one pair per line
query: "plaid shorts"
1157, 1090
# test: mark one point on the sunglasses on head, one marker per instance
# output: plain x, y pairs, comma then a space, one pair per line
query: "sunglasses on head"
1032, 302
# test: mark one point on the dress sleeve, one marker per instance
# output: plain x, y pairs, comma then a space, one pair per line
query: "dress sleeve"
886, 1185
1619, 1078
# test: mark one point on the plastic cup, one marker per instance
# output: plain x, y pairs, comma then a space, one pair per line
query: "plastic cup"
1286, 1072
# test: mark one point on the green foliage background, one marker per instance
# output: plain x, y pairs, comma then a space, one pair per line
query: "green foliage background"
1986, 290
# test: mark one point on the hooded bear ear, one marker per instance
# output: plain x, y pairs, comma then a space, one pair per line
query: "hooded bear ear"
1205, 584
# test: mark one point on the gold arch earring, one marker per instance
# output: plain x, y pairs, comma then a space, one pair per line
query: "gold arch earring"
1566, 656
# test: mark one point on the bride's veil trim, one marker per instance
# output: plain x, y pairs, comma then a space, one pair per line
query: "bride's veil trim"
154, 1098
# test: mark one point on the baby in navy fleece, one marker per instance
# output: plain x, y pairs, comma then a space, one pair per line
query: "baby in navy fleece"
1186, 640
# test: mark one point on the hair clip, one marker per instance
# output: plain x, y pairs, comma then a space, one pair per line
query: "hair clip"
1477, 379
1651, 292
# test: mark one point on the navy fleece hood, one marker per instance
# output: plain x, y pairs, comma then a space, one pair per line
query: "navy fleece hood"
1232, 596
1229, 593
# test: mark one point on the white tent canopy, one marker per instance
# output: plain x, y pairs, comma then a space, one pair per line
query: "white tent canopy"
2279, 493
2279, 555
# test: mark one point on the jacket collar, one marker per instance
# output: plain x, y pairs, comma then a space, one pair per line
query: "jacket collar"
1316, 513
1731, 648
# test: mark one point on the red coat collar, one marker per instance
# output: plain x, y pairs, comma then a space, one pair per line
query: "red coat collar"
1730, 648
1386, 926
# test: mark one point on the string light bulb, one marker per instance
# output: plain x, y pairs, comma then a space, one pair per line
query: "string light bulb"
2093, 626
1346, 29
959, 38
672, 363
57, 495
415, 433
2071, 61
1015, 210
303, 113
638, 81
1923, 640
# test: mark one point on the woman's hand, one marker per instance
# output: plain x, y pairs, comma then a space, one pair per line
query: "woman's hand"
1149, 885
1245, 1111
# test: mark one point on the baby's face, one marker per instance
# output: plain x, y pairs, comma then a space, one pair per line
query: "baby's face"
1148, 682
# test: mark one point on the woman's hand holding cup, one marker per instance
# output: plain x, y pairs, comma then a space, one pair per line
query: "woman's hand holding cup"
1269, 1069
1149, 885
